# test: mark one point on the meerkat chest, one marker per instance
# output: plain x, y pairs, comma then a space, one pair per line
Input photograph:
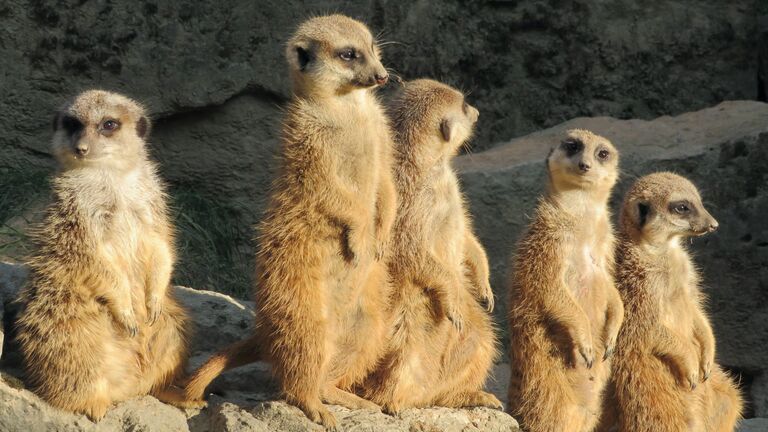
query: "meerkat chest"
361, 141
587, 267
678, 287
127, 220
445, 223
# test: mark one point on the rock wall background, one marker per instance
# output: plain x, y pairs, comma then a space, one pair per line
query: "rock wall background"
213, 76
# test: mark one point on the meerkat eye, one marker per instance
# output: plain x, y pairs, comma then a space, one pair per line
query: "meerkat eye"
681, 208
603, 154
110, 125
348, 54
465, 107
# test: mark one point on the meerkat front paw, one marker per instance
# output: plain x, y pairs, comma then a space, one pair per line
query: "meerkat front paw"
486, 296
381, 249
353, 245
455, 316
693, 380
610, 347
689, 372
707, 362
154, 308
584, 350
127, 319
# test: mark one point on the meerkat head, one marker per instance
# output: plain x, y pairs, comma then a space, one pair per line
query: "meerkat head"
432, 115
99, 127
334, 54
665, 206
583, 160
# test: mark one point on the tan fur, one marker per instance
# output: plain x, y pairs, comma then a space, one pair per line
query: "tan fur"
98, 324
665, 375
565, 311
320, 291
442, 343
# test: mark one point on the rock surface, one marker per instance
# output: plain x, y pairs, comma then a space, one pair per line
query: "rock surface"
244, 399
722, 149
213, 75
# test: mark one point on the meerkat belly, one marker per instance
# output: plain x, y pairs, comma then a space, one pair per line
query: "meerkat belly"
677, 314
446, 227
123, 247
587, 278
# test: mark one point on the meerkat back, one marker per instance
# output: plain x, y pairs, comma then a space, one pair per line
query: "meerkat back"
97, 294
565, 311
665, 376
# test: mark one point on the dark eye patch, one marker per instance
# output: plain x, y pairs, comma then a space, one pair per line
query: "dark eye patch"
682, 208
71, 124
572, 146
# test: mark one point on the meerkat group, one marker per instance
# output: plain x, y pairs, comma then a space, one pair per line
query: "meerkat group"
371, 289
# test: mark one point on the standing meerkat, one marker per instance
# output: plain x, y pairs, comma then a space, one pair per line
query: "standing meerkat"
665, 376
320, 286
442, 343
98, 324
565, 311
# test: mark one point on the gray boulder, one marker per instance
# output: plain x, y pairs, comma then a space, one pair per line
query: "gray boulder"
244, 399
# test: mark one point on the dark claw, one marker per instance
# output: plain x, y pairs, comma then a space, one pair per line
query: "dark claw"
608, 353
455, 323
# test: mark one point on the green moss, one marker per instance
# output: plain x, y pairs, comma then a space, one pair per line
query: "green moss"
19, 191
213, 243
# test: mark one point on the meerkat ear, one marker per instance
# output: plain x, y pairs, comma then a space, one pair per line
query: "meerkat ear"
142, 127
303, 56
643, 210
447, 129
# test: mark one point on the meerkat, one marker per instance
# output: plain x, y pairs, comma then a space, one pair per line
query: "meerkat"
441, 344
665, 377
564, 309
320, 280
98, 324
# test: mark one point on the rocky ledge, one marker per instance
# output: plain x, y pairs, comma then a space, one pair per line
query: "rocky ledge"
243, 399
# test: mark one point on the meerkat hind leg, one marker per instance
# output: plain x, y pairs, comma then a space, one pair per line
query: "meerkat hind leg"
336, 396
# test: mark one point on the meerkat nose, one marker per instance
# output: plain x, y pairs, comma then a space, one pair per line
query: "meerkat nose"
713, 226
584, 166
381, 79
81, 150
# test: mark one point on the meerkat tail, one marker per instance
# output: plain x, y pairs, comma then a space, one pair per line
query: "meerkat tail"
238, 354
